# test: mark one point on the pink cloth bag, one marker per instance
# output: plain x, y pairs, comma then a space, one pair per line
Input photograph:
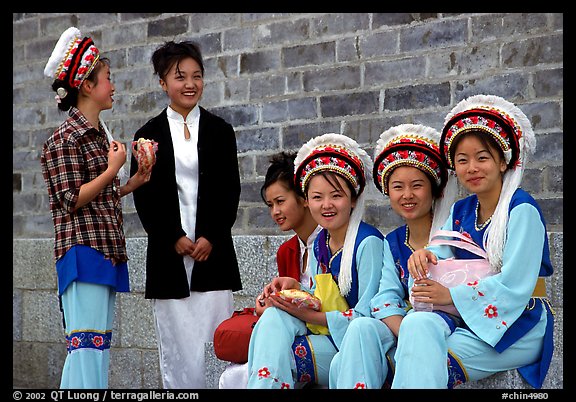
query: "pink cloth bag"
453, 272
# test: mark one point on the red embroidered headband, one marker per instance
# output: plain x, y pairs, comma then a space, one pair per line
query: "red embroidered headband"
331, 152
408, 145
73, 58
496, 121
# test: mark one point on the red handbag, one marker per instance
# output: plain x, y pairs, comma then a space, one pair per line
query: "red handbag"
232, 336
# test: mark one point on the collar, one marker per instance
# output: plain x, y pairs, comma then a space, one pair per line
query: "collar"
309, 241
193, 116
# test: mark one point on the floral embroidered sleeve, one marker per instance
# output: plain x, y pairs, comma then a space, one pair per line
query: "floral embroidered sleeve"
390, 297
492, 304
369, 263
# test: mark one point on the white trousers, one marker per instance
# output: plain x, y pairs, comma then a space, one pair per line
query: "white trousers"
183, 326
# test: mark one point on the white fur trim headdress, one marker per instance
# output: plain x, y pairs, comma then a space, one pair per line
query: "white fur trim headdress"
72, 59
512, 130
342, 155
415, 145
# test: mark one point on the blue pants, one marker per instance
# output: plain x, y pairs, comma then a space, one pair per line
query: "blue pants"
88, 316
272, 362
424, 342
362, 359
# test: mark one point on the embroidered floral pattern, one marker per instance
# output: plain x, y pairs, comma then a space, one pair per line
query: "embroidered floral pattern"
305, 377
348, 313
88, 340
301, 351
474, 285
491, 311
360, 385
264, 372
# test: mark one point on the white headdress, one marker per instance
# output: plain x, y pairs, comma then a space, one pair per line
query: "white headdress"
342, 155
418, 146
72, 59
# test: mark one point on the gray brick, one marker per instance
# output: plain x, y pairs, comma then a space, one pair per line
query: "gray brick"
340, 24
433, 35
304, 108
532, 181
417, 96
349, 104
338, 78
237, 116
380, 20
505, 26
53, 26
280, 33
555, 181
236, 90
267, 87
553, 210
246, 166
218, 68
549, 148
304, 55
238, 39
534, 51
513, 87
378, 44
395, 71
265, 138
258, 62
210, 44
294, 136
461, 62
347, 50
545, 116
213, 21
549, 82
168, 27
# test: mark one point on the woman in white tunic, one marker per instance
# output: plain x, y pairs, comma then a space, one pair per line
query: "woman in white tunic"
188, 209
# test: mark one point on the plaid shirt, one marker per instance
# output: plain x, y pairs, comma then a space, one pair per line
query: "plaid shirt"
76, 154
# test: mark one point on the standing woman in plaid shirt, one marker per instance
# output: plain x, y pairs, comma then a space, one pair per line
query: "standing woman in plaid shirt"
80, 164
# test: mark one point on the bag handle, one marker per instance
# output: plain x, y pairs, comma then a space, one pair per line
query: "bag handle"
465, 243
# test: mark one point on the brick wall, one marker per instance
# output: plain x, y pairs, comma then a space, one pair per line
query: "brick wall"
280, 79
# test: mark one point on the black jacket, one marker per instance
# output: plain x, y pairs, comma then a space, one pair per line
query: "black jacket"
158, 208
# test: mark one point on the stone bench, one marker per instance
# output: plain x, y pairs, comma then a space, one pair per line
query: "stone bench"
258, 266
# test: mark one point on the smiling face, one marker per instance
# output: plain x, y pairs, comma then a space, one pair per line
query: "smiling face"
479, 166
410, 192
101, 86
330, 203
286, 208
184, 84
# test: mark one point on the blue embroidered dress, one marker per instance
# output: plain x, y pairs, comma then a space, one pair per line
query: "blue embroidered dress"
282, 350
507, 325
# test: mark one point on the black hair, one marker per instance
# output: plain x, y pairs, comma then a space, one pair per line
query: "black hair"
171, 53
486, 139
281, 169
332, 178
71, 98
